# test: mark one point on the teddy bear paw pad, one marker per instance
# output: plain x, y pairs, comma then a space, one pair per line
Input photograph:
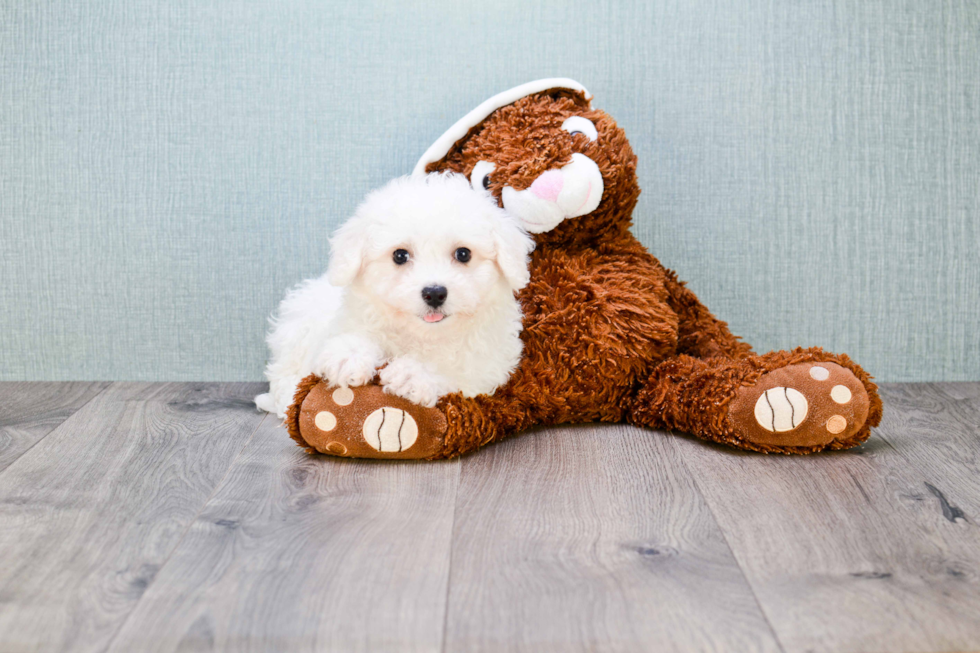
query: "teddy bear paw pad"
801, 405
780, 409
364, 422
390, 429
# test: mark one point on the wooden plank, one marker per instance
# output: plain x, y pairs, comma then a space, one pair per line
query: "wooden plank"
90, 513
593, 538
936, 428
301, 553
847, 551
31, 410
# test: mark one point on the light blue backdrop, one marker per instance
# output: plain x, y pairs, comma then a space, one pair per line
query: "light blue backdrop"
167, 169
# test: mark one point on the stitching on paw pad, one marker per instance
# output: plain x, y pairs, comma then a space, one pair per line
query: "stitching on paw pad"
390, 429
780, 409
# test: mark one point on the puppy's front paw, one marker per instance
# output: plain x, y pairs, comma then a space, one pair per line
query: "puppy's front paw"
348, 361
415, 381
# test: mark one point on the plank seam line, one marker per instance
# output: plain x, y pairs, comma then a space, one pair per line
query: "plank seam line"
452, 546
58, 426
724, 536
187, 529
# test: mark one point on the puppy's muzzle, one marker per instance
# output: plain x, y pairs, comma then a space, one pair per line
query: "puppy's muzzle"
434, 296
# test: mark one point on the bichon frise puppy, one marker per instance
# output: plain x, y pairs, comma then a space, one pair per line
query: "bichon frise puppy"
421, 280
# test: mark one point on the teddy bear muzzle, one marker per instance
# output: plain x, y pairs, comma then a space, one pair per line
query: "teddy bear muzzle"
571, 191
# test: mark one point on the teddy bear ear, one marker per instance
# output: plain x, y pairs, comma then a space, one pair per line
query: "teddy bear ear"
461, 129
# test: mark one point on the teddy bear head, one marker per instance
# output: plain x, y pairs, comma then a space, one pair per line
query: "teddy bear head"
564, 169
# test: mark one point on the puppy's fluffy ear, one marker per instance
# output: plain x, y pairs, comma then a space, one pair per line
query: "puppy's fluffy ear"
512, 245
346, 253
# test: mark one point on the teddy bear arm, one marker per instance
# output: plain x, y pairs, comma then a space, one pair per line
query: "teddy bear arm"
595, 323
367, 422
476, 421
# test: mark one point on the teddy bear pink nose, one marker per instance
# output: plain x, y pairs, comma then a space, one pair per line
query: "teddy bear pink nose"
548, 185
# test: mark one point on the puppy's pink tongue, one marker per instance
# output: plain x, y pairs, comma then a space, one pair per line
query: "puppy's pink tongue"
433, 317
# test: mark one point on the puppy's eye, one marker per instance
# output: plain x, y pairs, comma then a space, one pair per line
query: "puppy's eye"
401, 256
480, 177
463, 255
580, 125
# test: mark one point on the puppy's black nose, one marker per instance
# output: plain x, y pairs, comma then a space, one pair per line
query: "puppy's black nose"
434, 296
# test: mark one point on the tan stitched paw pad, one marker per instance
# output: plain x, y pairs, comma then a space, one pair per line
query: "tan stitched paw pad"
801, 405
364, 422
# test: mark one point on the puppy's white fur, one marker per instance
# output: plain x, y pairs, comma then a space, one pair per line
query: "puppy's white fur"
367, 311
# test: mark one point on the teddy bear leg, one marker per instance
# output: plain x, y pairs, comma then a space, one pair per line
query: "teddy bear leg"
798, 401
699, 333
366, 422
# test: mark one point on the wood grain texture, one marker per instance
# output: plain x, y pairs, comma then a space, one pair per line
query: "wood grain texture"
90, 514
301, 553
849, 551
156, 517
936, 428
29, 411
593, 538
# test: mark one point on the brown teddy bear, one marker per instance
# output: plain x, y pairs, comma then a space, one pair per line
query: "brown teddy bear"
609, 334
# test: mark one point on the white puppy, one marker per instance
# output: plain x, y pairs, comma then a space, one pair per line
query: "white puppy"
421, 280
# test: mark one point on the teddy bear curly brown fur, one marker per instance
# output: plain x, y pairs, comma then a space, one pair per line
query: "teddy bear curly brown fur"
609, 333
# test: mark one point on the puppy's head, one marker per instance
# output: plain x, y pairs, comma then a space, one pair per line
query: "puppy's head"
430, 250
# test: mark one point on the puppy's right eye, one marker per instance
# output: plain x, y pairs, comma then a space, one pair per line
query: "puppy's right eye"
401, 256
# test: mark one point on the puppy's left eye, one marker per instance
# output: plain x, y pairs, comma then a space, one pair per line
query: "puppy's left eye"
400, 256
580, 125
463, 255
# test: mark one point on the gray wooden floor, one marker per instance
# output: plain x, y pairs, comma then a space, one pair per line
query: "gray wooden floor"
165, 517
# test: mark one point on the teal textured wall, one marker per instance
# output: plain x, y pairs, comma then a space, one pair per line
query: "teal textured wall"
167, 169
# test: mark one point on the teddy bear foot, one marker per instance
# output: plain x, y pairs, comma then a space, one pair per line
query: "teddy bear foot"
363, 422
809, 405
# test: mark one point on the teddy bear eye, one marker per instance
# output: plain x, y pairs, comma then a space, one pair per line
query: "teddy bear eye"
400, 256
580, 125
462, 255
480, 177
